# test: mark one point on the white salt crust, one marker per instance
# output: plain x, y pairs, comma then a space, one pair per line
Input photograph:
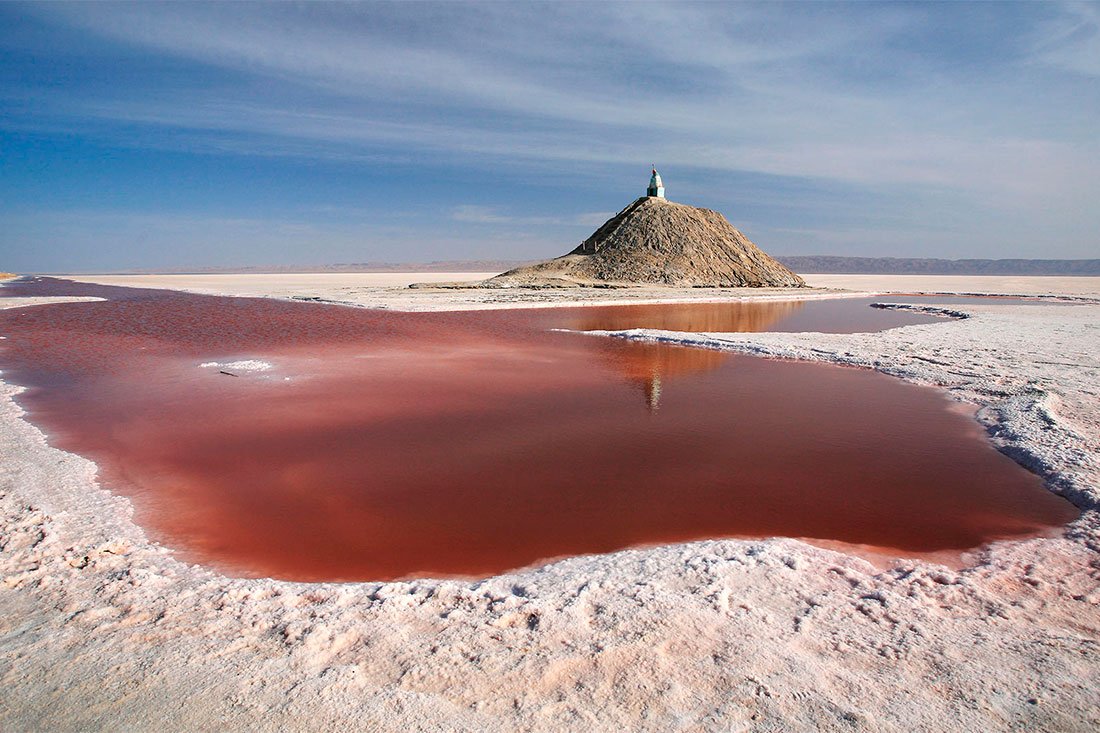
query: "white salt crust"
102, 630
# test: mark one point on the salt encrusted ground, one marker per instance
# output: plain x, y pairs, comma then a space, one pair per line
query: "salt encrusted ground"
6, 303
99, 630
388, 289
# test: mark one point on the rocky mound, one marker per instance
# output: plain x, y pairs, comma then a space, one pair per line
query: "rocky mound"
655, 241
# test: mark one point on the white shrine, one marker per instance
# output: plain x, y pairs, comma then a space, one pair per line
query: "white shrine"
656, 185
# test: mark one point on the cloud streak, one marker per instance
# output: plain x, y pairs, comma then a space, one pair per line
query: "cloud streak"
709, 77
475, 214
992, 105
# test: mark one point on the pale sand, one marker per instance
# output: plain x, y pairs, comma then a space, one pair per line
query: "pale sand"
390, 289
102, 630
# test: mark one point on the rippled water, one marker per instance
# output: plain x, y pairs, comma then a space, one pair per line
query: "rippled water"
384, 445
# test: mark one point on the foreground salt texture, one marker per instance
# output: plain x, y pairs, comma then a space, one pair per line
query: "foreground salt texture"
100, 630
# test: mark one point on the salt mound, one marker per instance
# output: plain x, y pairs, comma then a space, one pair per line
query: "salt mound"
656, 241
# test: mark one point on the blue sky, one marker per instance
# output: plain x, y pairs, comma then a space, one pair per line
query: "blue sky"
189, 135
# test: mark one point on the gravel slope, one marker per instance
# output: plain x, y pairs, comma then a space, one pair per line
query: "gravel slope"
656, 241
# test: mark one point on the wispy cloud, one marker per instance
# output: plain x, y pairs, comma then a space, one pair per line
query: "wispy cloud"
1071, 40
990, 108
754, 88
475, 214
80, 239
479, 215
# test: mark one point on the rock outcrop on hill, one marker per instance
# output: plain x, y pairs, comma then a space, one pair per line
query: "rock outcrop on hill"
656, 241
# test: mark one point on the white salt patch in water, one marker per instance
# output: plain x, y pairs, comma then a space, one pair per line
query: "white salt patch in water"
245, 365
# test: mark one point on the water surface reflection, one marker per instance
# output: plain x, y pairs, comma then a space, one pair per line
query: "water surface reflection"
385, 445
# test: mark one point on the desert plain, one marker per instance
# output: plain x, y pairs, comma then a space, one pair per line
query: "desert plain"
103, 629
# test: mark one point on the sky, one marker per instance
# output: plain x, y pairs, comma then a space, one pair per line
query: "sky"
191, 135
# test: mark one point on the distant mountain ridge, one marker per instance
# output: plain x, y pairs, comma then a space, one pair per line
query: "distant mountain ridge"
829, 264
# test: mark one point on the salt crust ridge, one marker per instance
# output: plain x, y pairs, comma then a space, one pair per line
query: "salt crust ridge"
102, 630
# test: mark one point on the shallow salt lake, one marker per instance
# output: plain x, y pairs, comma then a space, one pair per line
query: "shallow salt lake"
351, 444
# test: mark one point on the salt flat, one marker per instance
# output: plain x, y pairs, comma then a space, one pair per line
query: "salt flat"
24, 302
390, 289
101, 629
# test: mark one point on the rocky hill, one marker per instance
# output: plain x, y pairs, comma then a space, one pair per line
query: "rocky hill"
656, 241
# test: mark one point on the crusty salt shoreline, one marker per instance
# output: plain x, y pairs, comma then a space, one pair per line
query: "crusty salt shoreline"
101, 630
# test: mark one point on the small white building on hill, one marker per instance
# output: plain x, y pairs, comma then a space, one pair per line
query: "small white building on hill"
656, 185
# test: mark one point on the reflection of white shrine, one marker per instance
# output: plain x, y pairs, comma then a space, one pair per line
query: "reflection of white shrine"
653, 391
656, 185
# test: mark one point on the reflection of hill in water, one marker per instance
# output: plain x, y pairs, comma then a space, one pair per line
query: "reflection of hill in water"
695, 317
648, 365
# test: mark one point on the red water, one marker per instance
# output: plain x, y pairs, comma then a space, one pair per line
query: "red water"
387, 445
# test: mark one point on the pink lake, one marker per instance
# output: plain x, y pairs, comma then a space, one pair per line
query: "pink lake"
385, 445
